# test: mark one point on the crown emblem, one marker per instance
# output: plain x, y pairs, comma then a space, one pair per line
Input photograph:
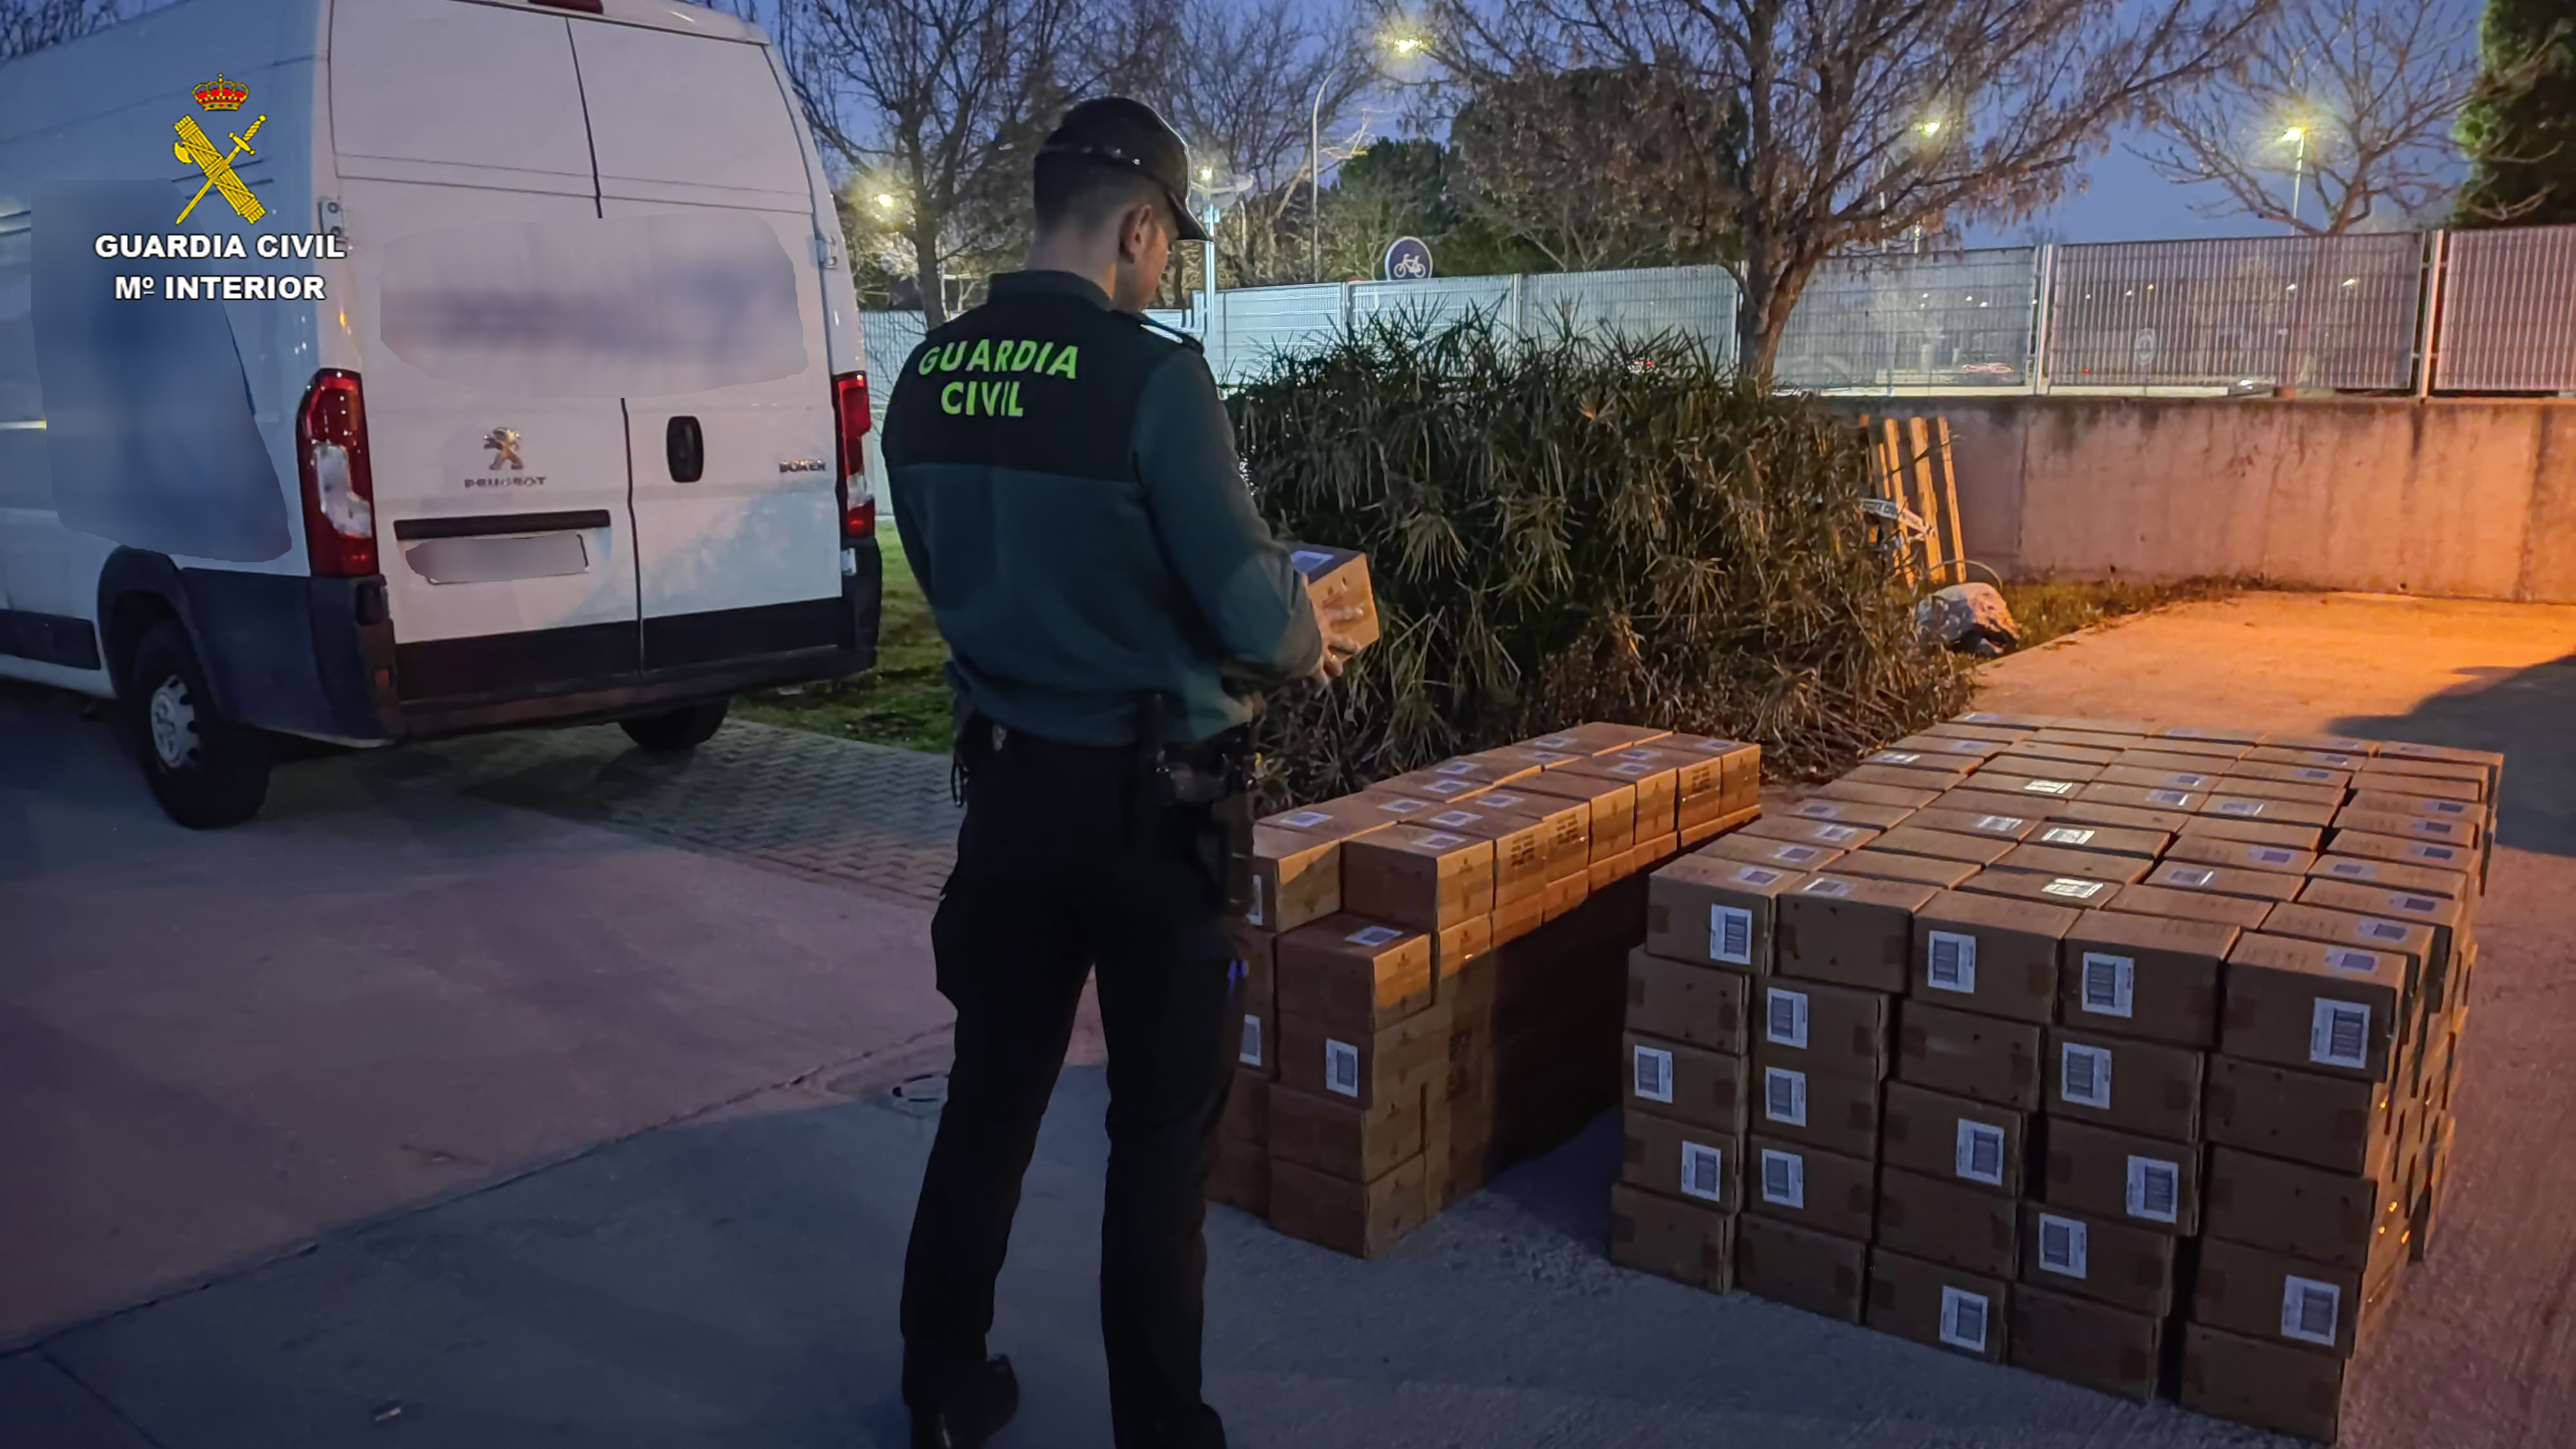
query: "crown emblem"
220, 94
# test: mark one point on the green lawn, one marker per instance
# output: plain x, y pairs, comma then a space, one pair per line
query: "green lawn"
902, 702
2048, 611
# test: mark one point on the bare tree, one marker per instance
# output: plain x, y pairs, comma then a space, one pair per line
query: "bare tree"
1559, 160
2343, 111
939, 105
1855, 120
29, 25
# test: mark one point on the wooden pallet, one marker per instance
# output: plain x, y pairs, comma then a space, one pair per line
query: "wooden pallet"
1920, 489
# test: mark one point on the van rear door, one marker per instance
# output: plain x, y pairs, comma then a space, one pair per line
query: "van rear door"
508, 548
744, 558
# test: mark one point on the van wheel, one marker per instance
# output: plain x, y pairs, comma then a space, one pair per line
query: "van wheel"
206, 771
684, 728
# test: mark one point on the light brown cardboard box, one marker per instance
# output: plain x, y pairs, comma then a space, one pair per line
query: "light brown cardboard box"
1338, 578
1813, 1027
1785, 1263
2151, 977
1524, 756
1567, 895
1522, 861
1360, 1219
1798, 1182
2220, 880
1676, 1240
2314, 1006
2336, 1123
2270, 812
1944, 1307
2275, 1297
1714, 910
1679, 1160
2426, 793
1613, 805
1647, 856
2240, 855
1939, 1221
1940, 1135
1848, 812
1782, 854
2013, 827
2321, 759
1951, 764
2144, 1182
1331, 1135
2123, 817
2034, 790
1969, 750
1810, 832
2108, 1349
2362, 845
2141, 797
2392, 934
1688, 1002
1848, 930
2095, 1257
1477, 775
1698, 773
2405, 826
2302, 740
2289, 791
1971, 730
2445, 916
1362, 1068
1296, 878
2289, 774
1968, 1054
2037, 749
1993, 720
1564, 825
1899, 778
1515, 919
1420, 877
1974, 849
1988, 953
2082, 864
1657, 782
2145, 1087
2261, 832
1889, 865
1863, 793
2389, 763
2224, 740
2151, 770
2056, 890
2243, 912
1596, 738
1692, 836
1703, 1088
1352, 974
2302, 1211
2044, 762
2105, 839
1836, 1112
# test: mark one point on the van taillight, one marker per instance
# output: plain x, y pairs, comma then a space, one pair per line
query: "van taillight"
339, 492
850, 423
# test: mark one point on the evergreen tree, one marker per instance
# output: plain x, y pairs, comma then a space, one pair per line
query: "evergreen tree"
2520, 132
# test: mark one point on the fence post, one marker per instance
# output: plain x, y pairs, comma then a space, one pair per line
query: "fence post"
2428, 319
2043, 281
1519, 309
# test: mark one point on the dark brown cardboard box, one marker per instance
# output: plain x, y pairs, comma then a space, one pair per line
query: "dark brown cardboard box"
2101, 1347
2153, 977
2137, 1086
2035, 791
2145, 1182
2363, 845
2240, 854
1703, 1088
1922, 870
1778, 854
1933, 780
2322, 759
1810, 832
1679, 1160
2334, 1122
2153, 770
1716, 911
1257, 1000
2289, 774
2389, 934
1993, 720
2045, 762
2053, 890
1972, 730
1683, 1001
2314, 1006
2261, 832
2141, 797
1613, 804
2013, 827
1239, 1174
1940, 1221
1850, 812
2408, 826
2103, 839
1989, 953
1940, 1135
2275, 1297
1968, 1054
1936, 1305
1785, 1263
1361, 1219
1352, 974
1848, 930
2260, 885
1677, 1240
2286, 791
1362, 1068
1522, 860
2422, 879
1657, 782
1830, 1110
1832, 1030
1953, 764
1564, 825
1863, 793
2242, 912
1331, 1135
2122, 817
1800, 1183
2095, 1257
2305, 1212
1912, 839
1247, 1110
2273, 812
1416, 876
2037, 749
2269, 1385
1338, 578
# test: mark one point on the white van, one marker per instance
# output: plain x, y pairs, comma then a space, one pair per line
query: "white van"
575, 431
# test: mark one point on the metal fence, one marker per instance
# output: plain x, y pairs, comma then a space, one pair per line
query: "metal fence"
2508, 311
1900, 322
2329, 312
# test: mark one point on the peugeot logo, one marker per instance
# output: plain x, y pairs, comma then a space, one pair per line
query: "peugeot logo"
504, 443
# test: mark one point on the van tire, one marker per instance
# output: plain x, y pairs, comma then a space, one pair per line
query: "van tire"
673, 731
207, 772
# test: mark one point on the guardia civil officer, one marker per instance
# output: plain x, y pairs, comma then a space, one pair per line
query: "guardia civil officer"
1067, 491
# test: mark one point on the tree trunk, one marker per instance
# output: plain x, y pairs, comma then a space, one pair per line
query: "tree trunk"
1757, 341
925, 261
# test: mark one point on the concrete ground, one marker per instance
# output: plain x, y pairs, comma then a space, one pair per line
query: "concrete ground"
221, 1047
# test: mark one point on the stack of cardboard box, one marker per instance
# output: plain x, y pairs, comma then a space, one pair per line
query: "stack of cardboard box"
1432, 977
2177, 1015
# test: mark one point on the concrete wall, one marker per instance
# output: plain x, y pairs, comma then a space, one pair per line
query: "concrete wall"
2455, 497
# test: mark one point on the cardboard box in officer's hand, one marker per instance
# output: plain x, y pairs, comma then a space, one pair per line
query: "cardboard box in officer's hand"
1338, 578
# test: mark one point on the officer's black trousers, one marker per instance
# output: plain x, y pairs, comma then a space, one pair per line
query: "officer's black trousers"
1064, 867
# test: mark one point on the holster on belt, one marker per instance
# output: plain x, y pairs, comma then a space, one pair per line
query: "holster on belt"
1210, 784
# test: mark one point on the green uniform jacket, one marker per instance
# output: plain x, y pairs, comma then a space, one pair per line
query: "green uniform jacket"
1067, 491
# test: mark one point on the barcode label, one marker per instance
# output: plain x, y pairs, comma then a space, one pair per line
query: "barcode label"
1895, 757
2187, 780
1784, 1096
1784, 1178
1250, 1053
1307, 560
1501, 801
1818, 810
2309, 1309
2066, 835
2167, 797
2001, 824
2352, 869
2048, 787
1797, 853
2344, 958
2061, 1245
1549, 757
1654, 1075
1980, 1152
1631, 769
2414, 903
1835, 834
2190, 875
1636, 754
1454, 818
1760, 875
2110, 984
1441, 841
1730, 935
2067, 885
1703, 1167
1963, 1319
1445, 788
1952, 961
2339, 1034
2240, 807
1826, 885
1785, 1024
1968, 747
1553, 742
2446, 807
2155, 1189
2379, 930
1403, 807
1253, 912
1454, 767
1341, 1067
2271, 855
2311, 772
1373, 935
2085, 1076
2341, 762
1304, 819
1977, 716
2442, 853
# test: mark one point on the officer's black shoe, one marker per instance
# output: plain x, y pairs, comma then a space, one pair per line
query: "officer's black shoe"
970, 1410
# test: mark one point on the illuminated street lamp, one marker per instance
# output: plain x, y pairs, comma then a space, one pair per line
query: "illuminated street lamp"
2298, 167
1402, 43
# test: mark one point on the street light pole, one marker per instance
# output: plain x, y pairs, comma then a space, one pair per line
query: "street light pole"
1315, 180
2298, 170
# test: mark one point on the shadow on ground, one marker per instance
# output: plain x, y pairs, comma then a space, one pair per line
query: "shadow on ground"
2530, 715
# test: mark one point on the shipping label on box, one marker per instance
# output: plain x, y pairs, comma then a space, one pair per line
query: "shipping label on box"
1983, 824
1967, 1054
1352, 974
1680, 1160
2101, 839
2302, 1211
2098, 1257
2145, 1182
1936, 1219
2334, 1122
1941, 1135
1334, 1135
2138, 1086
1681, 1241
2151, 977
1687, 1002
2112, 1350
1362, 1068
2275, 812
1717, 911
1688, 1084
2268, 1295
1835, 1111
2079, 892
1835, 1030
1798, 1182
1989, 953
1848, 930
2313, 1005
1934, 1304
1818, 1272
